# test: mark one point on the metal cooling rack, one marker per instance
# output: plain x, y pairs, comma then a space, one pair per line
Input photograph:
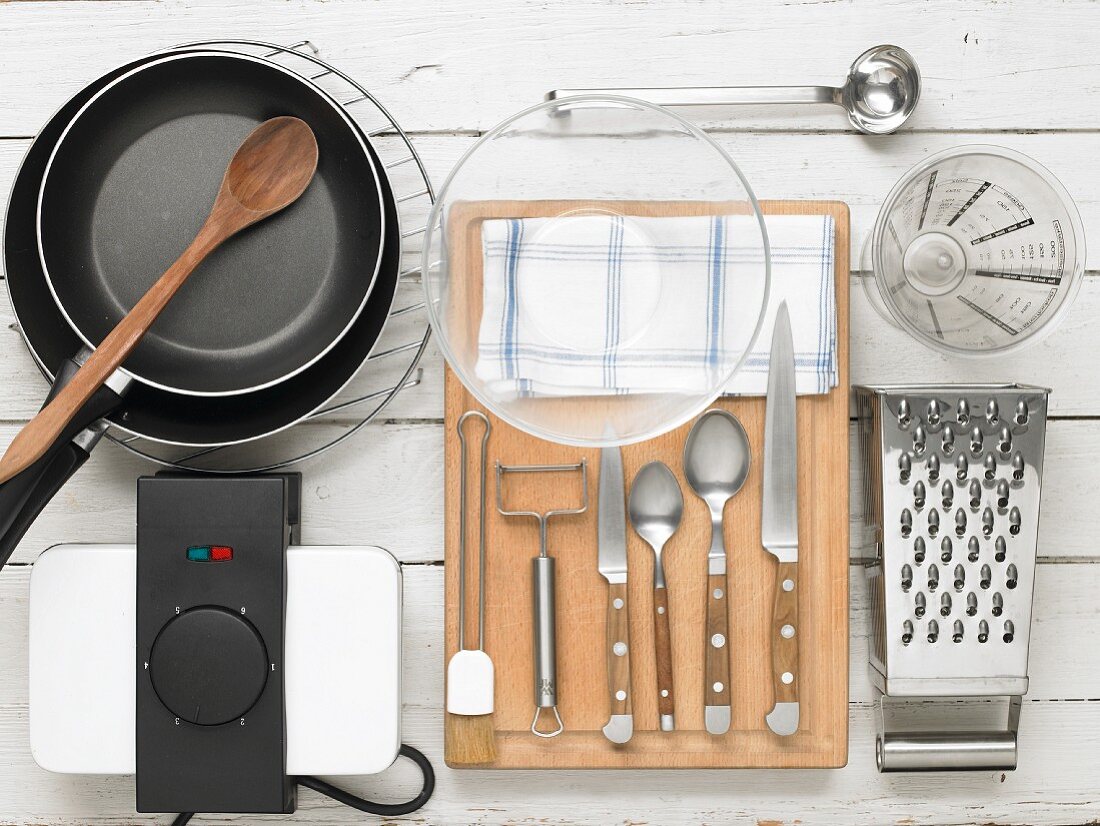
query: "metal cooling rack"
394, 361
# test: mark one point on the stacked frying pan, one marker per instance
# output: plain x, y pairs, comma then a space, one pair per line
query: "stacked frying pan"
268, 329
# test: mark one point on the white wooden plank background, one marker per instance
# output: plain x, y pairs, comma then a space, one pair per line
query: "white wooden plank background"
1021, 74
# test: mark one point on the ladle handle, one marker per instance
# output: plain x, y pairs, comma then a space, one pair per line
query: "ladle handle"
715, 95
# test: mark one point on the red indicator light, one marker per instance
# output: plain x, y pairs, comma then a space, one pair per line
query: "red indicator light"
220, 553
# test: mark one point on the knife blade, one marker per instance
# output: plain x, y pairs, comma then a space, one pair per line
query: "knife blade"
779, 522
611, 560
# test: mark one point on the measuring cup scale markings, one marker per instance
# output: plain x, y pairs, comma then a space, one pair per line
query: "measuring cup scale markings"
976, 249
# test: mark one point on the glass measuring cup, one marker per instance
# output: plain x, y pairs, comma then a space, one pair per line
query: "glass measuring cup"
976, 251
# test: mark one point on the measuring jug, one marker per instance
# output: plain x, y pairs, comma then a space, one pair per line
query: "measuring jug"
976, 250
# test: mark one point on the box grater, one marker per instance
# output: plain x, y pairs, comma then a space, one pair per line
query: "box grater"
952, 476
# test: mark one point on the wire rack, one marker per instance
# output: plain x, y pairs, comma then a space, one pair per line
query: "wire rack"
394, 363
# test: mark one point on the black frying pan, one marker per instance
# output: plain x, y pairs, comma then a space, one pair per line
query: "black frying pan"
147, 411
130, 184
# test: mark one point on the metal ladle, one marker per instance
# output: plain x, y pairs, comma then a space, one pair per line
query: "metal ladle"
879, 94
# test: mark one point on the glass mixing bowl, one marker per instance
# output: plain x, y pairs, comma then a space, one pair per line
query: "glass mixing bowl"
596, 270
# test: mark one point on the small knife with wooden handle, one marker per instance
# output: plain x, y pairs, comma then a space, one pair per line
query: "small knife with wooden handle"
612, 565
779, 522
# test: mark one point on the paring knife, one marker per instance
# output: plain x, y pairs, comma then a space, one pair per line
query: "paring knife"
779, 522
612, 565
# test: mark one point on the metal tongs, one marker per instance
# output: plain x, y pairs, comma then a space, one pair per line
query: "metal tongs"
542, 568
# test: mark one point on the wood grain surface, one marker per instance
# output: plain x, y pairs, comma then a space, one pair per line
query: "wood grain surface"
823, 423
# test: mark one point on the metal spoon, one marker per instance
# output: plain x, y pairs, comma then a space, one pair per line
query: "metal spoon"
879, 94
716, 463
656, 507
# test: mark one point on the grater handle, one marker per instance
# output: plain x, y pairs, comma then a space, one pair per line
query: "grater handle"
946, 751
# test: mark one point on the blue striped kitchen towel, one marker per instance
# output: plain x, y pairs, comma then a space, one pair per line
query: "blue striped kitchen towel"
593, 305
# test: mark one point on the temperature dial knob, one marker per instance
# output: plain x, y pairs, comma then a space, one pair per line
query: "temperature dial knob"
208, 665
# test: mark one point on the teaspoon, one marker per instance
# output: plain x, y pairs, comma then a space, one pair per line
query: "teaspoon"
656, 507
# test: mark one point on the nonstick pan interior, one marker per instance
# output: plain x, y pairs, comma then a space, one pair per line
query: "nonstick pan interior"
132, 180
151, 412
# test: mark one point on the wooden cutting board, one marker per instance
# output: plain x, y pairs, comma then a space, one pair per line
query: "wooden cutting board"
584, 702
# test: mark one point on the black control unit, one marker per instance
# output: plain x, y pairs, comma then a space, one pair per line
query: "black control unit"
211, 600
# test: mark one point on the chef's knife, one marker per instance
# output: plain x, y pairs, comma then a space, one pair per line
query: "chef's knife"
779, 522
612, 565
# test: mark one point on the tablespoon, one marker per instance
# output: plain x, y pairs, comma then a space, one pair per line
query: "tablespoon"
656, 507
879, 94
716, 463
268, 172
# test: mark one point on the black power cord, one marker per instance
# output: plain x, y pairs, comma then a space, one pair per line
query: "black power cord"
362, 804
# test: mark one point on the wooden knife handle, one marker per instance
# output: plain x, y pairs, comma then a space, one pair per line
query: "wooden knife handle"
618, 649
717, 669
785, 633
663, 640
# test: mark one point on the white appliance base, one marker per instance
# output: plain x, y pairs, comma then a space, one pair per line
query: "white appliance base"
343, 659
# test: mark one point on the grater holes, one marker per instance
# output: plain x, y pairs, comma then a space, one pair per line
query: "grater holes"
962, 468
905, 414
1011, 577
906, 577
962, 412
932, 466
986, 578
999, 549
960, 578
1010, 631
918, 550
975, 492
947, 495
989, 465
1002, 496
933, 412
907, 632
946, 550
992, 412
1018, 467
987, 522
1014, 520
906, 523
933, 524
960, 523
945, 605
920, 440
971, 604
919, 605
933, 577
1021, 415
947, 440
957, 632
998, 604
973, 549
919, 496
933, 631
905, 468
983, 631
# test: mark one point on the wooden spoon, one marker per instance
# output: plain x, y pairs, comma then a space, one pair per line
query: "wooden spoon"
269, 171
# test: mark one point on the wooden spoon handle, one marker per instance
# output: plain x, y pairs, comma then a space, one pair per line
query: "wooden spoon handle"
32, 442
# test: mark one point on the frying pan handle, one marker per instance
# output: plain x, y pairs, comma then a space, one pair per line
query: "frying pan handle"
24, 496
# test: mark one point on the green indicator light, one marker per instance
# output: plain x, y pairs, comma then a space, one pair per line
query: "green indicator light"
198, 553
